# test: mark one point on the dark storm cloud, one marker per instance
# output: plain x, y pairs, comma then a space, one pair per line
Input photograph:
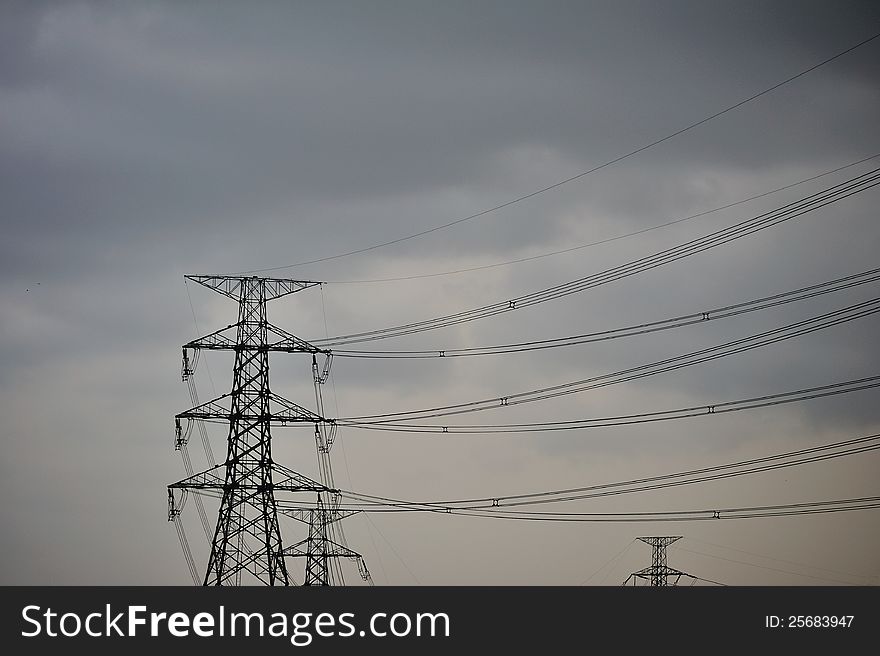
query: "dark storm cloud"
135, 99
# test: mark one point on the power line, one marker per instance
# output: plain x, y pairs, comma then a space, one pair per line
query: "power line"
396, 553
395, 421
610, 561
700, 578
495, 510
778, 560
781, 398
367, 520
361, 502
574, 177
187, 554
771, 569
736, 231
811, 455
607, 240
782, 333
745, 512
705, 514
629, 331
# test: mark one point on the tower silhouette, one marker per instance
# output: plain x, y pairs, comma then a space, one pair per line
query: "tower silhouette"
247, 545
659, 572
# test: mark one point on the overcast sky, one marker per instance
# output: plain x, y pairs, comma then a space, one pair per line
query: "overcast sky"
141, 141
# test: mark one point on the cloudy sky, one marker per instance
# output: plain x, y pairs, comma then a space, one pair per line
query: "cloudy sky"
141, 141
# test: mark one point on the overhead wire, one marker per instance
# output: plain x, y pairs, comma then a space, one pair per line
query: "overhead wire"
583, 174
396, 421
394, 550
184, 543
764, 567
610, 562
367, 503
607, 240
187, 553
203, 431
778, 560
704, 514
700, 578
341, 440
793, 396
733, 232
810, 455
680, 321
718, 513
710, 514
782, 333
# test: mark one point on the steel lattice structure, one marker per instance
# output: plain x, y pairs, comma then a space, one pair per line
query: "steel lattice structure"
247, 539
659, 572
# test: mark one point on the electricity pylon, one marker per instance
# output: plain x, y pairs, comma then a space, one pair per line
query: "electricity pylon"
658, 573
322, 554
247, 538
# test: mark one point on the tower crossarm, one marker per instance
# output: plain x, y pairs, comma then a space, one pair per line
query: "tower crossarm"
647, 572
208, 479
288, 411
303, 514
292, 481
213, 409
215, 341
282, 411
333, 550
289, 343
231, 285
278, 340
215, 479
659, 572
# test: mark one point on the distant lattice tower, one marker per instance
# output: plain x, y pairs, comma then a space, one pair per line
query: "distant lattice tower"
659, 572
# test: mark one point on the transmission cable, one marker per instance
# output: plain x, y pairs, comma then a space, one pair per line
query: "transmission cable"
744, 228
704, 514
778, 560
607, 240
763, 303
766, 401
574, 177
810, 455
362, 502
771, 569
734, 347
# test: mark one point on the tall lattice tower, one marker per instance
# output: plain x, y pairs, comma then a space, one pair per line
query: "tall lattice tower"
659, 572
246, 543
